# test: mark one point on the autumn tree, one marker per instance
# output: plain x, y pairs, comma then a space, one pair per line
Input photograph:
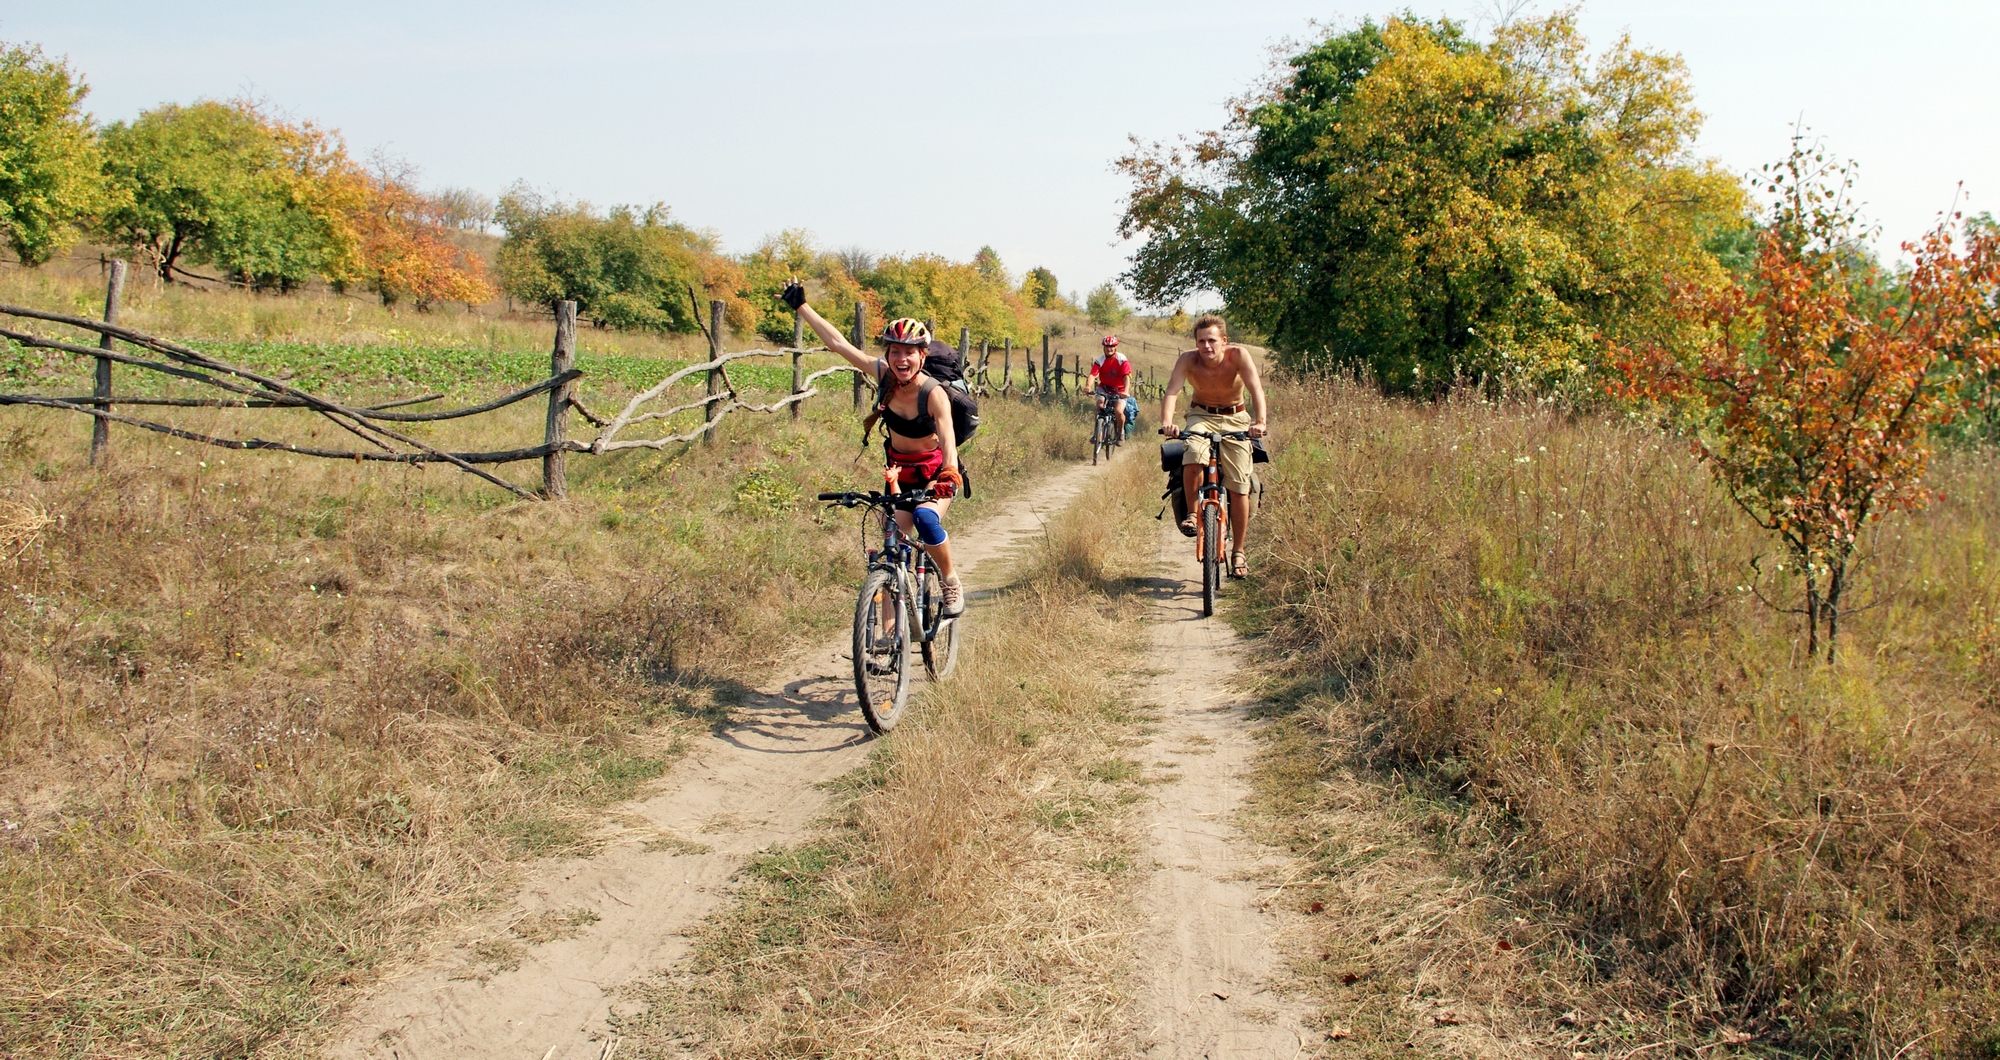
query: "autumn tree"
625, 268
1813, 386
266, 201
50, 176
794, 253
405, 253
1039, 289
1406, 200
953, 294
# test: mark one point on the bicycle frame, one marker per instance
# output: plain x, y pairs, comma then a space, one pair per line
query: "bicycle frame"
1210, 496
898, 553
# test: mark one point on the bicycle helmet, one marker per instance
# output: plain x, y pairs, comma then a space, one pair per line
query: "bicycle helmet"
1110, 342
907, 331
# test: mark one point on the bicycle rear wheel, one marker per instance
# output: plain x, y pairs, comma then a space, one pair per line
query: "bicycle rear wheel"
881, 649
1211, 557
940, 649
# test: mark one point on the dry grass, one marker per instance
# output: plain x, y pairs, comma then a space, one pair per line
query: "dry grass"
1643, 820
972, 893
76, 285
267, 723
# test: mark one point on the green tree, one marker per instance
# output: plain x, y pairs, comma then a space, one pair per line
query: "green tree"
219, 184
1106, 307
1408, 200
626, 268
1039, 289
987, 261
50, 178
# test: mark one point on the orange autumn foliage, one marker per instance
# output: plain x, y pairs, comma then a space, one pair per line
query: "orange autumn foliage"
1812, 389
405, 254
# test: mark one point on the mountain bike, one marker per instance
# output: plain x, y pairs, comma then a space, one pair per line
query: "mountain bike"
901, 608
1108, 434
1212, 517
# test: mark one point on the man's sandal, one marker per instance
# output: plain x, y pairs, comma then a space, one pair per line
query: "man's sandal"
1188, 527
1239, 567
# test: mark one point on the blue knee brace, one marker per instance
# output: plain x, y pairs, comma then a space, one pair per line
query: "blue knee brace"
930, 530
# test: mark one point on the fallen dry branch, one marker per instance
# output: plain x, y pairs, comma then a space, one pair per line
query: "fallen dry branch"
730, 402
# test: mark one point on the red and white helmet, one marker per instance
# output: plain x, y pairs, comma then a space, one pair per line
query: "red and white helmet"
907, 331
1110, 342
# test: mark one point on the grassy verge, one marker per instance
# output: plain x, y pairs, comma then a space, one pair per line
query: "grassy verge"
266, 721
1621, 812
971, 892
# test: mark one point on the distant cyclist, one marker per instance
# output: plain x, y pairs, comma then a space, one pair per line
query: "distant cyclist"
1113, 376
918, 438
1220, 371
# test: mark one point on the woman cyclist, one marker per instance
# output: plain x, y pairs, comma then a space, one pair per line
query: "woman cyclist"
918, 439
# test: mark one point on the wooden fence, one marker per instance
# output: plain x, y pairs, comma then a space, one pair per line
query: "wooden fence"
372, 425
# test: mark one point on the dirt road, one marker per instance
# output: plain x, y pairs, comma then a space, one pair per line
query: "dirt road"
749, 787
1206, 958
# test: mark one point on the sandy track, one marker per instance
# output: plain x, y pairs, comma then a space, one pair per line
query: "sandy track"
1206, 955
753, 785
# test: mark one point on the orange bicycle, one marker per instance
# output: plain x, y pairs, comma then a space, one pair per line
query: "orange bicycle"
1212, 515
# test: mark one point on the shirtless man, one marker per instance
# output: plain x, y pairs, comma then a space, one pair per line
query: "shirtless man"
1220, 373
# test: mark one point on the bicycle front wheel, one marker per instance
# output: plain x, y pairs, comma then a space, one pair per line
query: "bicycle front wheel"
1211, 557
881, 649
1098, 445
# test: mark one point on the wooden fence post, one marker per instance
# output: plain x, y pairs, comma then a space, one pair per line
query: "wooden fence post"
860, 330
985, 352
715, 308
1059, 373
798, 351
1007, 365
555, 462
100, 429
964, 351
1043, 381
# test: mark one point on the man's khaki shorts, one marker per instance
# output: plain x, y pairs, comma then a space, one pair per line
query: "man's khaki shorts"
1235, 454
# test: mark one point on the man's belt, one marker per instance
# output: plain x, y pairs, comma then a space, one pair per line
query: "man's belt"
1217, 410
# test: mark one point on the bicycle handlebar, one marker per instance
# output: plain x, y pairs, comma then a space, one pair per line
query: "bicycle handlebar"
1238, 435
909, 498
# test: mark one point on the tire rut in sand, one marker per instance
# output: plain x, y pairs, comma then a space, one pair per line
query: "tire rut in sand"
1207, 959
752, 785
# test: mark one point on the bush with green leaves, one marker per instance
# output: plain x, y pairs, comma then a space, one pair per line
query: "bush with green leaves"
625, 268
1106, 307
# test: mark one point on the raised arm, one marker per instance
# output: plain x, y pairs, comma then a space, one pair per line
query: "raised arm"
1254, 383
1175, 381
795, 296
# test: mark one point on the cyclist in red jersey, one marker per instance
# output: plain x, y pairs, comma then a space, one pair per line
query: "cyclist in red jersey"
1113, 374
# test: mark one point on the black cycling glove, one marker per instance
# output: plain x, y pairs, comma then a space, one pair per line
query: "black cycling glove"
794, 295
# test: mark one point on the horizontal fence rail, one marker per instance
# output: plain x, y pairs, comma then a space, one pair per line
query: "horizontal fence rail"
249, 389
245, 388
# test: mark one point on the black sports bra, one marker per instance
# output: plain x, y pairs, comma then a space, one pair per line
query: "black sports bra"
919, 427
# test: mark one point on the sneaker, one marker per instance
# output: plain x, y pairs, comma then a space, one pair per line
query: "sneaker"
953, 599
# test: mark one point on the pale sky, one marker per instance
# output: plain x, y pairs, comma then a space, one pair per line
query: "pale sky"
908, 127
